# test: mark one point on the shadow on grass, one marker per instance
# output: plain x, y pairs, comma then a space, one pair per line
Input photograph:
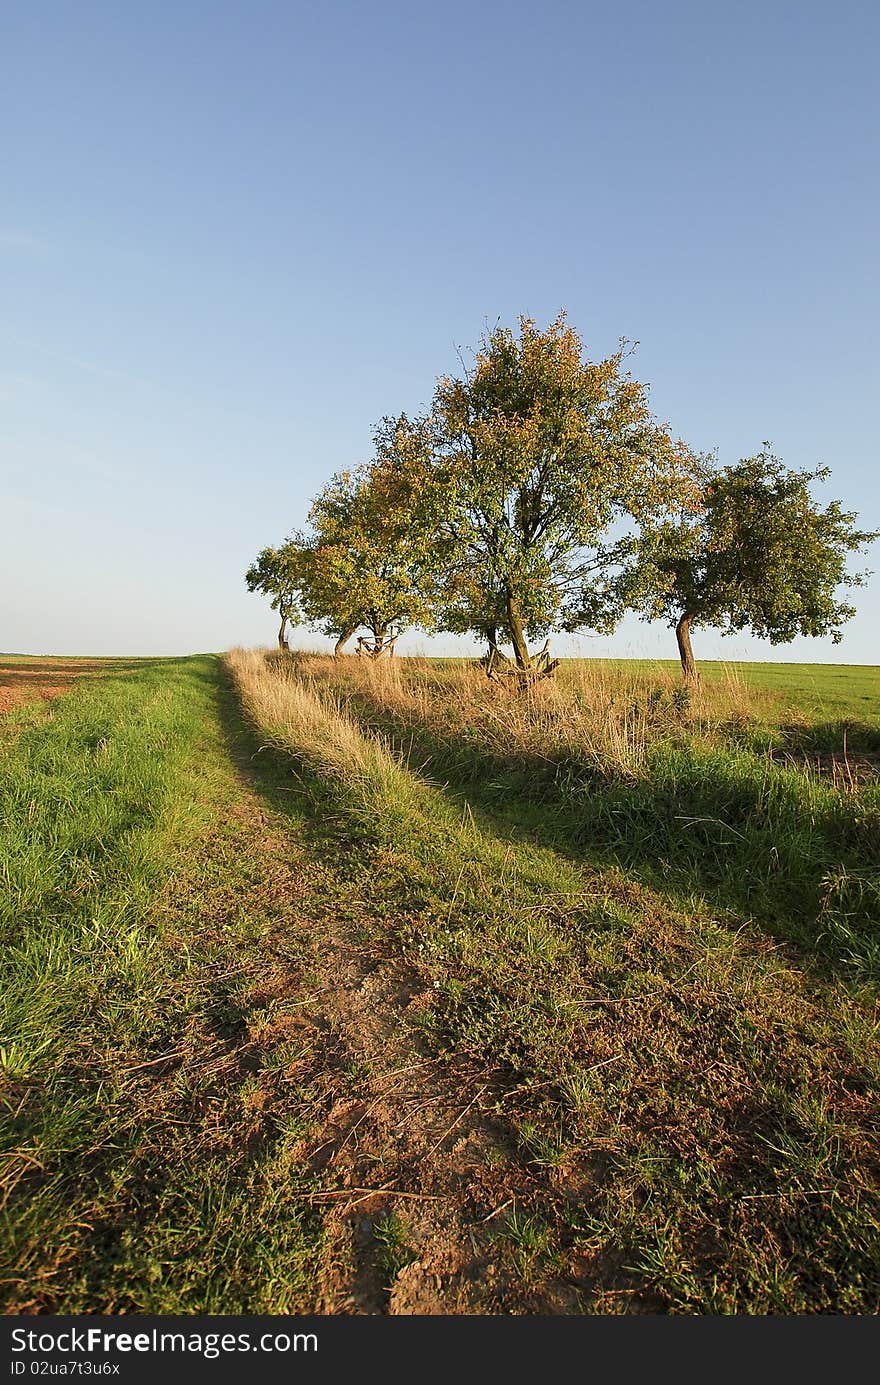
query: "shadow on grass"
838, 738
806, 878
773, 848
285, 785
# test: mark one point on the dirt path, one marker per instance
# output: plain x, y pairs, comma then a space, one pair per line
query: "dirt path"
414, 1166
279, 1066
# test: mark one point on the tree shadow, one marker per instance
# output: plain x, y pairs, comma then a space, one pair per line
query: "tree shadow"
807, 878
284, 784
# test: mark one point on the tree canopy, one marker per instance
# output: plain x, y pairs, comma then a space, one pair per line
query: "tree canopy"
363, 563
368, 563
279, 574
537, 459
538, 492
760, 554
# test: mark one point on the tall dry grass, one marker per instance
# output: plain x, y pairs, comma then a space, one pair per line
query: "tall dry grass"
603, 714
677, 785
297, 712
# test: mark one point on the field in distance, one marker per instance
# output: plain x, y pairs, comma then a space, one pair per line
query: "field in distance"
822, 692
844, 692
341, 987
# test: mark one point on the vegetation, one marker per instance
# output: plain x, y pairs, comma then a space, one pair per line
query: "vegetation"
281, 574
289, 1027
757, 554
136, 1055
701, 795
535, 455
693, 1101
368, 558
359, 986
539, 493
365, 563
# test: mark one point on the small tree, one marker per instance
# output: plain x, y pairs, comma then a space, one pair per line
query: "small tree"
362, 565
278, 573
293, 576
536, 457
368, 554
760, 554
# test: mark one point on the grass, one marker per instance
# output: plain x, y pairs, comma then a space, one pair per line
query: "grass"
682, 791
816, 693
393, 1244
136, 1174
701, 1107
821, 692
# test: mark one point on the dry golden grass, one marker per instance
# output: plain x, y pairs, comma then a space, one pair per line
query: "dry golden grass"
602, 713
296, 711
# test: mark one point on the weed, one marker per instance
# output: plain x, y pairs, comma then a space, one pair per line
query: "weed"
394, 1252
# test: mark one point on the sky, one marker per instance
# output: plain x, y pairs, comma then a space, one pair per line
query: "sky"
234, 236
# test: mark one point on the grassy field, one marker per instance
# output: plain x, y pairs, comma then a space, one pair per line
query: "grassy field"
340, 988
813, 695
133, 917
813, 703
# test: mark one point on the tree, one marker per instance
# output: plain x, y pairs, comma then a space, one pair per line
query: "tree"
538, 460
278, 573
295, 579
759, 554
369, 554
363, 563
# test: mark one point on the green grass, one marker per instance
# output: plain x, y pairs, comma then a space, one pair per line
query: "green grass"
136, 1176
704, 816
700, 1113
392, 1239
820, 692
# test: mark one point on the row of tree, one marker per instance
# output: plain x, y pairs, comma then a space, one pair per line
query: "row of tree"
538, 493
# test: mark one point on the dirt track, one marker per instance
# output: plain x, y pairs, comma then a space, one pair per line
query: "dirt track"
422, 1141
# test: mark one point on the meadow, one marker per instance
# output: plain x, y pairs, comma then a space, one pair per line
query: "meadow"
343, 986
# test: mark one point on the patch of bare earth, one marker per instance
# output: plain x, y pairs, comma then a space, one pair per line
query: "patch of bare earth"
32, 680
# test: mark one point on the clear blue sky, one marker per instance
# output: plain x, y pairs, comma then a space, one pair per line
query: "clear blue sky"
232, 236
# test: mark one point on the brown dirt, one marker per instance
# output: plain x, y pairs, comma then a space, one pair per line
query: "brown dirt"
29, 680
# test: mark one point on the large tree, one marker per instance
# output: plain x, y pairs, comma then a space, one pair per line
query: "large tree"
759, 554
541, 462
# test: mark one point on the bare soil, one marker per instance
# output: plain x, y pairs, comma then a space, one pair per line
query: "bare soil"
29, 680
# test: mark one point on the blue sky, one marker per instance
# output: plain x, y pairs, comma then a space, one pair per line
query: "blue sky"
233, 236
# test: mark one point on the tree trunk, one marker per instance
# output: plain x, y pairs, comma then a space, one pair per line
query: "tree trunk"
520, 648
685, 653
282, 642
379, 632
343, 641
